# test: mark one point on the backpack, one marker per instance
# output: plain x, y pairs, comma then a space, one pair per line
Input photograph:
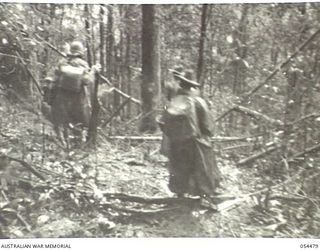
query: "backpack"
180, 119
71, 77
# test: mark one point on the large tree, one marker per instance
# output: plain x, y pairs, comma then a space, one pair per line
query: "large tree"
150, 67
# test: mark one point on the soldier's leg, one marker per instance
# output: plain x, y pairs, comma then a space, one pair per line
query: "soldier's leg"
181, 161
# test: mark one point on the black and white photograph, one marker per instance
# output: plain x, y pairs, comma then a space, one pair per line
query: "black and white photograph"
159, 121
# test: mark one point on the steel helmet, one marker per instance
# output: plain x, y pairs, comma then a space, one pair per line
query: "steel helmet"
77, 49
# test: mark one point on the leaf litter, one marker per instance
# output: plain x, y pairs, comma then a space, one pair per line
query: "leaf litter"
72, 202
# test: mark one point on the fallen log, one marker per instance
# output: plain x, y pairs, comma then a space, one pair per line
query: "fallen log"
227, 205
257, 156
164, 200
148, 200
134, 210
237, 146
159, 138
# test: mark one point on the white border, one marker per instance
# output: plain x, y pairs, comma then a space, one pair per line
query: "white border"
156, 1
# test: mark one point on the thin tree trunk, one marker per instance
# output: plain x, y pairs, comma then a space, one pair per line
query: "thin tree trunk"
87, 27
92, 131
204, 17
239, 69
102, 41
92, 44
128, 70
109, 44
292, 108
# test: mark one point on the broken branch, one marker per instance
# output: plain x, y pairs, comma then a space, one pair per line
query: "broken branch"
127, 96
258, 155
116, 112
27, 166
257, 115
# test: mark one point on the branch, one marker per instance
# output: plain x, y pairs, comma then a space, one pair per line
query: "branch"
19, 217
27, 166
26, 105
164, 200
237, 146
313, 115
159, 138
307, 151
29, 72
276, 70
51, 46
146, 200
231, 204
26, 60
105, 79
136, 211
257, 156
127, 96
116, 112
257, 115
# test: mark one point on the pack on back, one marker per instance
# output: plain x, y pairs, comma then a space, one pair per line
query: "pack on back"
180, 119
71, 77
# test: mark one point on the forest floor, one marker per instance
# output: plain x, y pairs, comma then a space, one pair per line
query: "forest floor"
76, 199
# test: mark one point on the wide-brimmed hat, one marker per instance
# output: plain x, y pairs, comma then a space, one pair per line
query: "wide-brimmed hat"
177, 70
187, 81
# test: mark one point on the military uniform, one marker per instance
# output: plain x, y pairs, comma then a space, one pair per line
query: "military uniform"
193, 168
70, 106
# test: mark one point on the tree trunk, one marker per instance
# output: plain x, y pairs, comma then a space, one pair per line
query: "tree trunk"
109, 44
102, 41
292, 109
239, 68
204, 18
87, 26
128, 70
150, 68
92, 131
93, 44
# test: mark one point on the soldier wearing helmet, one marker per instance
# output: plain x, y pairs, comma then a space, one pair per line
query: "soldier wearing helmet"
72, 89
76, 49
74, 57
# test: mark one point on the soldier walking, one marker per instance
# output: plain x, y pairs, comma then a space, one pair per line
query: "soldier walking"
71, 93
186, 125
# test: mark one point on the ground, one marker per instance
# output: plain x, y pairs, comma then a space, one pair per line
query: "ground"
76, 199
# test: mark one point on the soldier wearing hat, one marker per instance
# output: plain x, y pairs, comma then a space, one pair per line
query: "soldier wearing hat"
184, 82
186, 127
